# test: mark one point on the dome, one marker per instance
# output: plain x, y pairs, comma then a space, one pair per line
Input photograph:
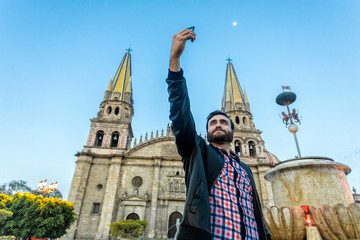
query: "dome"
271, 158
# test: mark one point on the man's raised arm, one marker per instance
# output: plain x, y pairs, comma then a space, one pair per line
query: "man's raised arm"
183, 125
178, 46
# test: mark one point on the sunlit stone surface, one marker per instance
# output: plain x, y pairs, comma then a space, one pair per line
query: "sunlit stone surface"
285, 223
312, 233
319, 183
338, 222
313, 181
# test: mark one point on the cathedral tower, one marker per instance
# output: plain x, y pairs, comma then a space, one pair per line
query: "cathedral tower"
111, 129
96, 179
247, 142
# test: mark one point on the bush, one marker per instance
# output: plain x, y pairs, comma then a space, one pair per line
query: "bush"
35, 216
4, 215
128, 228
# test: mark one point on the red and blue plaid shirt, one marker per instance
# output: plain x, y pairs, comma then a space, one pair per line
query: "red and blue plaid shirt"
231, 203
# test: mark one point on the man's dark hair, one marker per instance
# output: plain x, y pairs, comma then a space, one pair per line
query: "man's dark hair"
218, 112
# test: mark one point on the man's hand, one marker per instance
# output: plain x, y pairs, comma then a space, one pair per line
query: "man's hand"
177, 47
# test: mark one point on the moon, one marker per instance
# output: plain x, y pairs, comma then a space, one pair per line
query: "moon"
234, 23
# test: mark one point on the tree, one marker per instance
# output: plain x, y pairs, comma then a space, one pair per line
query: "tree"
21, 186
18, 186
3, 188
128, 228
4, 215
14, 186
35, 216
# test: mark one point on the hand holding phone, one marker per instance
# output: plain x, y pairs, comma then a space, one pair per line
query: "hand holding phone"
192, 28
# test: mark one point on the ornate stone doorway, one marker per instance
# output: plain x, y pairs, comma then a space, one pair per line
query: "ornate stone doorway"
172, 222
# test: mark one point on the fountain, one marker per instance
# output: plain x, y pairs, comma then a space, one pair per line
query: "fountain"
311, 194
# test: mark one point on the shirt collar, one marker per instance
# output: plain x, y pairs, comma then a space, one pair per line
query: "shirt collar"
223, 151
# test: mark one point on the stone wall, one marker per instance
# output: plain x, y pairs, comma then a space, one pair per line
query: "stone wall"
147, 180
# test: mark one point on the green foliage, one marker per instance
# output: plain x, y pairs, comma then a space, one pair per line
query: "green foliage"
35, 216
4, 215
128, 228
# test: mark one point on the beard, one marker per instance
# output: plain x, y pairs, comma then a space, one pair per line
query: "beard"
220, 138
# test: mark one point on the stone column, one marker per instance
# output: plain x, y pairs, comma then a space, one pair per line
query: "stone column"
77, 190
109, 198
161, 220
266, 190
166, 218
154, 198
122, 212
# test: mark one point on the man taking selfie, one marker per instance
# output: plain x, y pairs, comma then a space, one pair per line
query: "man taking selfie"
222, 201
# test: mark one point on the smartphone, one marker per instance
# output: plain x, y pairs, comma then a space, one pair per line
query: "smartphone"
191, 28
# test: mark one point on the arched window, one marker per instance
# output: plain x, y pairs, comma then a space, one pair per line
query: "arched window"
114, 139
133, 216
99, 138
109, 110
172, 223
252, 149
244, 120
237, 147
116, 110
237, 120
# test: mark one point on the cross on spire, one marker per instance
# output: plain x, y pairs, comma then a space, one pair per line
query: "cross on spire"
229, 59
129, 50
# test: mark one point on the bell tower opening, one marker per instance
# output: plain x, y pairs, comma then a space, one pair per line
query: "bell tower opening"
237, 147
99, 138
114, 139
252, 152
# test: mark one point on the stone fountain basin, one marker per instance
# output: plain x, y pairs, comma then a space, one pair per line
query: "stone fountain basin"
313, 181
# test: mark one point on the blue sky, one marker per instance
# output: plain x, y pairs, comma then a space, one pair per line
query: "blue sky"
56, 58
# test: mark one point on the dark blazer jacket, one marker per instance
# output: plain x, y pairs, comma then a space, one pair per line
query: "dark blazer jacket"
202, 165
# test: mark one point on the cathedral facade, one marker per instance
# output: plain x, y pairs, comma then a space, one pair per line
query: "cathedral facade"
117, 178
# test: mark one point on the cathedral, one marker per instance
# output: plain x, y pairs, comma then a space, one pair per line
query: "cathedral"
118, 178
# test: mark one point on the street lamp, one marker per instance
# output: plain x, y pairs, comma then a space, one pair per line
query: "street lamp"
289, 118
42, 187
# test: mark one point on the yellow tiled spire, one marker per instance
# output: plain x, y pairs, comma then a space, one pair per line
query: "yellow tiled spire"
121, 84
110, 85
245, 96
108, 89
246, 101
234, 98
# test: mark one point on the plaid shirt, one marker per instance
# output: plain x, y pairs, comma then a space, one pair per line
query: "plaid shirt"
231, 203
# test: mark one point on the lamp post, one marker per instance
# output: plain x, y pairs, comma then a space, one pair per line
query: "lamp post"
285, 99
45, 190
